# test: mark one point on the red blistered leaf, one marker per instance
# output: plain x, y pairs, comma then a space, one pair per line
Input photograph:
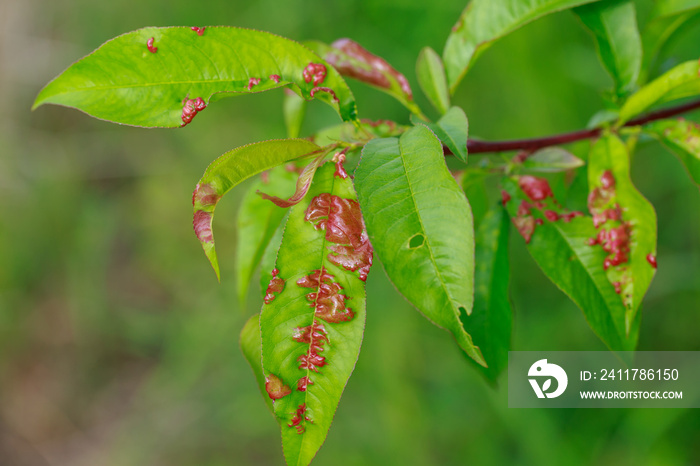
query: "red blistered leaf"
275, 387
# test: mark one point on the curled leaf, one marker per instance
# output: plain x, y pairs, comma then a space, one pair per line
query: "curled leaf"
354, 61
303, 184
232, 168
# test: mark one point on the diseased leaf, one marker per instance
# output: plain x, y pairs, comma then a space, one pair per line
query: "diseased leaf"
232, 168
558, 241
681, 81
313, 319
162, 77
362, 133
294, 109
613, 24
626, 223
682, 137
354, 61
484, 21
302, 186
431, 78
552, 159
256, 224
421, 227
452, 129
492, 317
250, 343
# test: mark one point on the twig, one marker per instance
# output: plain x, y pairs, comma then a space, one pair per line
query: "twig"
476, 146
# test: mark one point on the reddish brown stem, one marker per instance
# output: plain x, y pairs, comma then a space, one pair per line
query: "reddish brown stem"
476, 146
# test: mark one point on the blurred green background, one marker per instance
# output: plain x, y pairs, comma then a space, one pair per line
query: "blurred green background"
117, 345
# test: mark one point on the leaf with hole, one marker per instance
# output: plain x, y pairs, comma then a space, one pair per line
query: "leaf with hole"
313, 318
484, 21
420, 224
128, 81
234, 167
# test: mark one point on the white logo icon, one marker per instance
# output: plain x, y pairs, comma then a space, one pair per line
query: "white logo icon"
543, 369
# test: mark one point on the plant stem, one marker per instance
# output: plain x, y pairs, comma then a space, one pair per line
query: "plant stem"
476, 146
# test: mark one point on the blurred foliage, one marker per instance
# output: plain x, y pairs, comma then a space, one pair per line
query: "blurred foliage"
119, 347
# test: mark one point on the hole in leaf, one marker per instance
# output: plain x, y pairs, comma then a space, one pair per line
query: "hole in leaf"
416, 241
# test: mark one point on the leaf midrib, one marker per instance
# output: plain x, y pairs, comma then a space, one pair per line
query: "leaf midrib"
557, 228
313, 323
420, 221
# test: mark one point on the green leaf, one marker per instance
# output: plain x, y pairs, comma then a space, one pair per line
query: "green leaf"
256, 224
614, 26
663, 8
232, 168
473, 183
625, 220
603, 118
552, 159
313, 319
354, 61
452, 129
294, 109
681, 81
122, 81
421, 227
682, 137
484, 21
431, 78
663, 26
250, 343
559, 245
491, 320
